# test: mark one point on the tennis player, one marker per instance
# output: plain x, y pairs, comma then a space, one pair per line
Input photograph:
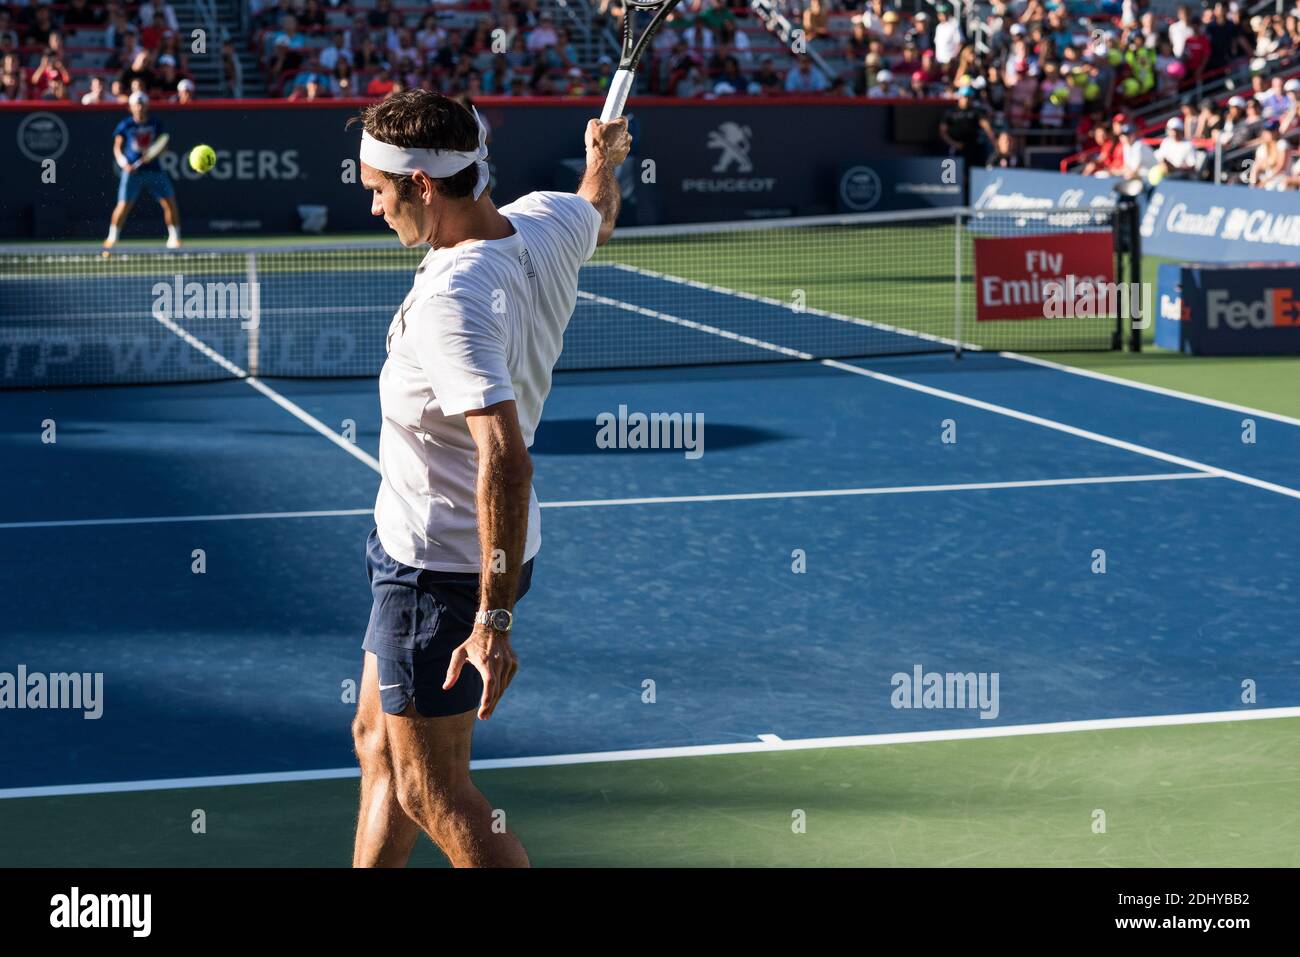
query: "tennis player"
470, 355
131, 138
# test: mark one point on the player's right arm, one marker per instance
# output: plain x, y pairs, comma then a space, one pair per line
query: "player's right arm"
607, 146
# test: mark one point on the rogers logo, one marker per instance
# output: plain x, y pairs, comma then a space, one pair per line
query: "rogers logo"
239, 165
1278, 307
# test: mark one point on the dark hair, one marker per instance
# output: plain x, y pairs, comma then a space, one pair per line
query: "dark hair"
425, 120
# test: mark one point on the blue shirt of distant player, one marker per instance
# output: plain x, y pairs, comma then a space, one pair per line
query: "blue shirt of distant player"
137, 137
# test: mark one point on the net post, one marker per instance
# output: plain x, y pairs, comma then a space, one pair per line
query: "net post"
956, 287
1119, 242
254, 326
1134, 226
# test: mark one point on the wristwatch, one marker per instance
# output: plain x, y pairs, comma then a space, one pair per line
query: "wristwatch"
498, 619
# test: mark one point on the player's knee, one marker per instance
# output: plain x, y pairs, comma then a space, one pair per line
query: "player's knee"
368, 739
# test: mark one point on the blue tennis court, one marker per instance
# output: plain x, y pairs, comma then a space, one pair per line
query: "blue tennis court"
969, 555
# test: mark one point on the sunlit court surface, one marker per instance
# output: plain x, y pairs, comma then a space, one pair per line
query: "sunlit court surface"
829, 577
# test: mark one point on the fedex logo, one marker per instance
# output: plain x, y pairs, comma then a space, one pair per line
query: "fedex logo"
1278, 307
1171, 308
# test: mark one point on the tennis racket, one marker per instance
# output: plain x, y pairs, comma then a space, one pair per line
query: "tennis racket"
153, 152
621, 85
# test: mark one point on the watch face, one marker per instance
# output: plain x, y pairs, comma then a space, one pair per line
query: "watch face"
499, 619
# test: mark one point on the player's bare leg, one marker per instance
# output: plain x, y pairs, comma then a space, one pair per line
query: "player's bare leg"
416, 772
172, 217
385, 835
431, 762
115, 223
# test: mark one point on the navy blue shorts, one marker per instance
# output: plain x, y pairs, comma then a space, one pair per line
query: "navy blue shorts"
419, 617
155, 181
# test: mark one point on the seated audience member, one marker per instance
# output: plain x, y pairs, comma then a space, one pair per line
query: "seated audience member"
1272, 164
1177, 156
1005, 155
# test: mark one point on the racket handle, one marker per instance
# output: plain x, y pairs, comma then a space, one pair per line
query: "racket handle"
619, 88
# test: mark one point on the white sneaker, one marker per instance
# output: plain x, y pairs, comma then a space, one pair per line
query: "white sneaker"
108, 248
173, 243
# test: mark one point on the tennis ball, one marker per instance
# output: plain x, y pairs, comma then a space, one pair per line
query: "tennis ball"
1114, 56
1130, 87
1156, 174
1091, 91
1060, 96
203, 158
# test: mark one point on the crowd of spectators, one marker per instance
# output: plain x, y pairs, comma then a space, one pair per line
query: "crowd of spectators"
135, 47
516, 49
1064, 73
1254, 130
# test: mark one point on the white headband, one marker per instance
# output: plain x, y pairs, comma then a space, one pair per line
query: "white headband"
437, 164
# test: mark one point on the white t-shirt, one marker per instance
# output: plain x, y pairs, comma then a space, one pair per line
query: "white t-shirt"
1139, 157
1178, 154
947, 40
1178, 34
483, 323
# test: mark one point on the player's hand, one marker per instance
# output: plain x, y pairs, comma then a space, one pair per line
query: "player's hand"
608, 141
490, 653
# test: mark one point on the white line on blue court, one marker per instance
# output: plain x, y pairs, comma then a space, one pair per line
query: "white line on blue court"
951, 396
297, 411
650, 500
767, 743
1062, 427
1014, 356
1148, 387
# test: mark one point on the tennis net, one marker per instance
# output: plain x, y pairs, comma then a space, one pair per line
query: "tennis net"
823, 287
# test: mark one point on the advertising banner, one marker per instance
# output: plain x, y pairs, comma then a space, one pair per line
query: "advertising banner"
1169, 311
1241, 310
1204, 223
1016, 276
282, 165
1035, 189
876, 184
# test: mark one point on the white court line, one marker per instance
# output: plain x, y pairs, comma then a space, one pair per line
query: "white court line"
955, 397
687, 751
697, 326
882, 490
299, 413
654, 500
971, 347
809, 310
179, 519
1148, 387
1062, 427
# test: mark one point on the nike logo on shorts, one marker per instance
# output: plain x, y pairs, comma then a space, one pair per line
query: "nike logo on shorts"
387, 687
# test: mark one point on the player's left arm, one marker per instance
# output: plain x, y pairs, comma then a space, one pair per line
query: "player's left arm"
502, 494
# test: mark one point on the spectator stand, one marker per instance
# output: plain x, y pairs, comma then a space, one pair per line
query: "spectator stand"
61, 48
552, 47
